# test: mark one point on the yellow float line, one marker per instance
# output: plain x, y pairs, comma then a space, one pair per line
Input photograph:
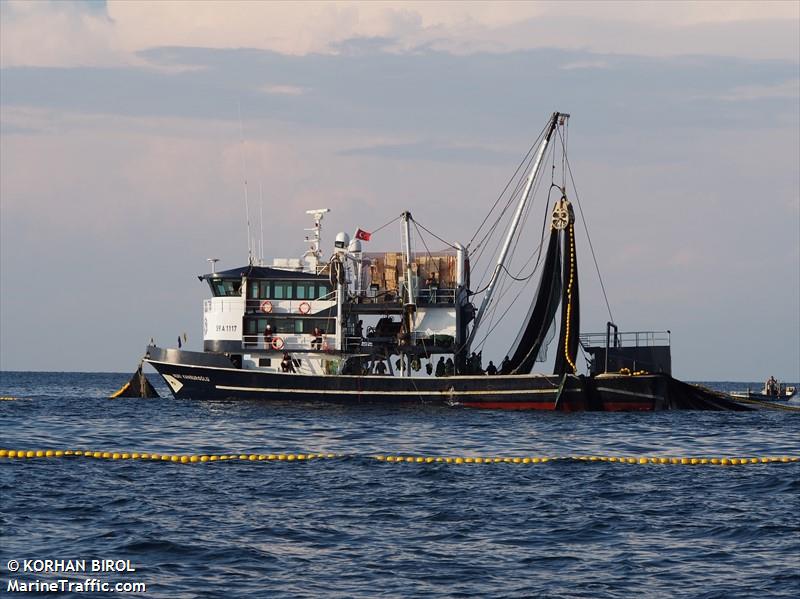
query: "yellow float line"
416, 459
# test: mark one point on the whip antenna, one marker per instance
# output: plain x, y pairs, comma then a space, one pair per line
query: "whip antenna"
244, 178
261, 220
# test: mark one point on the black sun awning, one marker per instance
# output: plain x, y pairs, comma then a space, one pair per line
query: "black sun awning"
264, 273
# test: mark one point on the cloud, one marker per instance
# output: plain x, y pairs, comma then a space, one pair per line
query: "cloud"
462, 97
585, 64
49, 33
784, 90
81, 34
430, 151
283, 90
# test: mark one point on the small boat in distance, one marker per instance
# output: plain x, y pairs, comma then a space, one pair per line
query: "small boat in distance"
773, 390
402, 327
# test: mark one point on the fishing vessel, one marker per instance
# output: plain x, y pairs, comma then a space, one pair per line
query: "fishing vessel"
351, 326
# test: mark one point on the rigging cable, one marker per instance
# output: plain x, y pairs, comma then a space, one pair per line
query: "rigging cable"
481, 248
505, 285
588, 237
519, 173
524, 160
527, 279
538, 253
394, 220
424, 228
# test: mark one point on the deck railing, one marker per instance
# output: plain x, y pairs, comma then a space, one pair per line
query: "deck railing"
627, 339
288, 342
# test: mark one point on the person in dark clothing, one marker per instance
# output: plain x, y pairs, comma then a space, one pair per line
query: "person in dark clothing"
286, 364
505, 366
433, 287
316, 343
449, 367
380, 368
440, 367
491, 370
359, 329
268, 335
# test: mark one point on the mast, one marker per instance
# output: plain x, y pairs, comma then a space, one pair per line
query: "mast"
512, 230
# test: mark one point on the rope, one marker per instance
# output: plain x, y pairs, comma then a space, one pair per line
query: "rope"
418, 459
422, 239
479, 250
568, 316
394, 220
527, 279
769, 404
514, 176
588, 237
447, 243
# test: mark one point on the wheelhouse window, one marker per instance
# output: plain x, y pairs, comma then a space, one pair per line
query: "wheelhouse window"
282, 290
306, 291
226, 287
260, 290
288, 290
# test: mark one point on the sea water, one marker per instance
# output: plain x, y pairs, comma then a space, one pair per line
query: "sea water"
358, 527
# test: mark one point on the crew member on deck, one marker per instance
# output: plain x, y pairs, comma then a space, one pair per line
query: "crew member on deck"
449, 367
491, 370
440, 366
380, 368
771, 388
286, 364
505, 366
433, 287
268, 336
316, 343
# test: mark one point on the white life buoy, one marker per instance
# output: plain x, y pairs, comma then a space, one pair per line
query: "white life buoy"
266, 306
304, 308
277, 344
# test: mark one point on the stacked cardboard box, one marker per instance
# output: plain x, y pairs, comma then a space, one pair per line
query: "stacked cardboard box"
388, 270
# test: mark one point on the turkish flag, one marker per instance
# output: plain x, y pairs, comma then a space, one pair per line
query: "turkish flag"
363, 235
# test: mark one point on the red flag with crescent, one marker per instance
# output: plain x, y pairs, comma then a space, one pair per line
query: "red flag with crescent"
363, 235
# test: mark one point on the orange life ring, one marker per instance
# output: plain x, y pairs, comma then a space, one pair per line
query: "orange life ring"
277, 344
304, 308
266, 306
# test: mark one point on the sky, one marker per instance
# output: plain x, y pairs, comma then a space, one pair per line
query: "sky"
128, 128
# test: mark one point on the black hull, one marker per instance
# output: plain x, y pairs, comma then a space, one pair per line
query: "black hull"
207, 376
